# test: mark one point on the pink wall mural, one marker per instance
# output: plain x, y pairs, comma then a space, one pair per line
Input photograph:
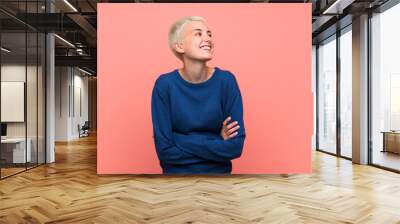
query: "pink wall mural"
266, 46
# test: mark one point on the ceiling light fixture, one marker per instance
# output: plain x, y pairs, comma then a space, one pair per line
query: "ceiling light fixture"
337, 7
70, 5
64, 40
84, 71
5, 49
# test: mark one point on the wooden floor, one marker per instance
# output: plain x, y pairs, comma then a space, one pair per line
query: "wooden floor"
70, 191
5, 172
8, 171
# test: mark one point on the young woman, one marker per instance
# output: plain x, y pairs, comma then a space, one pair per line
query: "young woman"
197, 111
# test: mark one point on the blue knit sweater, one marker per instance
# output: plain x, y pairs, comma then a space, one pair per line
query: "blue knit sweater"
187, 120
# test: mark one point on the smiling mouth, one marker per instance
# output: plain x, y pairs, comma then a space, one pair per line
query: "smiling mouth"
206, 48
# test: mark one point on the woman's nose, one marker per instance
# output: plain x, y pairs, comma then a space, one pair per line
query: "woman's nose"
207, 38
208, 41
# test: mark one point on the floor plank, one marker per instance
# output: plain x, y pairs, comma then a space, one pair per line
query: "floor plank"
70, 191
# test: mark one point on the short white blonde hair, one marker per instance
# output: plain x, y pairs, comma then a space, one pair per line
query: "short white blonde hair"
175, 32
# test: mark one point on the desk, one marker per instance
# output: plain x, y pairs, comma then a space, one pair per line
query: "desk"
391, 141
15, 148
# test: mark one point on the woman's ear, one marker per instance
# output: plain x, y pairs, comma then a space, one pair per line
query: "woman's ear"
179, 47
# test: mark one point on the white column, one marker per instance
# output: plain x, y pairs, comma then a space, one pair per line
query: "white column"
50, 92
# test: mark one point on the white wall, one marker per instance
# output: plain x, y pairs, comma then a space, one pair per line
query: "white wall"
62, 78
81, 84
71, 93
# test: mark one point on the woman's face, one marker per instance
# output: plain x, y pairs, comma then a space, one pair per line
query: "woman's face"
197, 42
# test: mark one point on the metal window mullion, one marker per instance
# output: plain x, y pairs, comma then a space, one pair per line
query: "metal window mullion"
72, 93
369, 90
37, 90
69, 93
316, 97
45, 93
338, 94
26, 86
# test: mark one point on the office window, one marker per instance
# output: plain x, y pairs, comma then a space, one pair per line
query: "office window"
346, 92
385, 88
327, 95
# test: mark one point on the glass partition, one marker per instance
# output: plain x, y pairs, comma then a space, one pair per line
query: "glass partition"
327, 95
22, 77
32, 95
41, 85
13, 110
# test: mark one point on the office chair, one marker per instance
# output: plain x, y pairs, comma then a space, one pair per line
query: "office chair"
84, 130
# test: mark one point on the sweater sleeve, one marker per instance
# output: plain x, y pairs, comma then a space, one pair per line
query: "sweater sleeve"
216, 148
167, 151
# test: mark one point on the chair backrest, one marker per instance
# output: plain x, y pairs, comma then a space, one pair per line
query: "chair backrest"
86, 125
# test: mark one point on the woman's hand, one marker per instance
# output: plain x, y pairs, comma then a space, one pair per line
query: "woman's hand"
229, 130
